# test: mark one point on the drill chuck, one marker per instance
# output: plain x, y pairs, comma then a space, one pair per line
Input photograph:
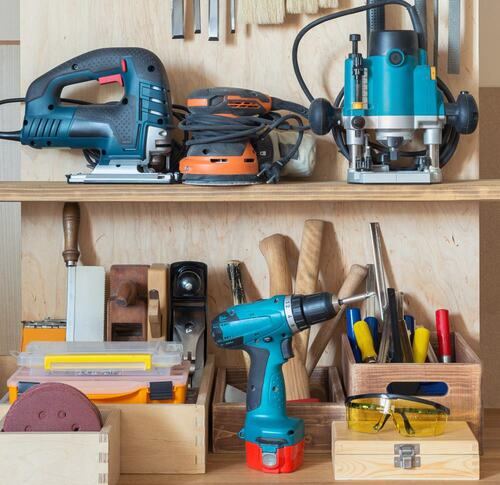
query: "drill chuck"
310, 309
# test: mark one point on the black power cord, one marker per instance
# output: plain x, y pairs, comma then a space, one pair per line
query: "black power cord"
450, 137
213, 128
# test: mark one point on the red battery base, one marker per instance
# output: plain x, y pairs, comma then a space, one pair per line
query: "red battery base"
288, 458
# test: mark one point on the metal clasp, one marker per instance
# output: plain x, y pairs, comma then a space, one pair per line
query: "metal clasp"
406, 456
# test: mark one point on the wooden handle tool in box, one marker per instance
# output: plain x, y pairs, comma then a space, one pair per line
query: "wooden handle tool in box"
274, 251
356, 276
307, 275
71, 228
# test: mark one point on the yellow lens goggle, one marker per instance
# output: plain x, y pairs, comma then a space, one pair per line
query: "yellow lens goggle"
412, 416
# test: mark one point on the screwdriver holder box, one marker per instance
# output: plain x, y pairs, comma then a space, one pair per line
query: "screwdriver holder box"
228, 418
462, 380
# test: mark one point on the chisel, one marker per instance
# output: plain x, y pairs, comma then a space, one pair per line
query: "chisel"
71, 227
232, 13
177, 19
197, 16
213, 19
436, 34
454, 36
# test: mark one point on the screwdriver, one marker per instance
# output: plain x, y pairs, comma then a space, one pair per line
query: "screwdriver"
353, 315
421, 344
365, 342
410, 325
443, 334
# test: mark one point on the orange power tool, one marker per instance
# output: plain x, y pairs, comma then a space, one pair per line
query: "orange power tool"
229, 142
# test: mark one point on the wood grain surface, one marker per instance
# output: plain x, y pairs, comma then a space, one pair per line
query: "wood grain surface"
317, 469
431, 251
286, 191
256, 57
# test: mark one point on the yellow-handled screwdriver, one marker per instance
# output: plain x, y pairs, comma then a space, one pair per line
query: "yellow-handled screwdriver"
364, 340
421, 344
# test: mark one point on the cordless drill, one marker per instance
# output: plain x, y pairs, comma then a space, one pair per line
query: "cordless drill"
274, 442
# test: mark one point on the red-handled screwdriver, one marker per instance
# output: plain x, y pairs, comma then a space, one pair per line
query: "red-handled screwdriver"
443, 335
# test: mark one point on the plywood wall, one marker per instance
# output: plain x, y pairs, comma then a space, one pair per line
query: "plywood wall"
10, 214
433, 249
437, 268
257, 57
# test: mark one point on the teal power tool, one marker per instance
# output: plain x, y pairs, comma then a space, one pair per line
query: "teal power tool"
388, 97
125, 141
274, 442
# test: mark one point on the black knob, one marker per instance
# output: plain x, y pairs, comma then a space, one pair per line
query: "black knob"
355, 38
464, 114
322, 116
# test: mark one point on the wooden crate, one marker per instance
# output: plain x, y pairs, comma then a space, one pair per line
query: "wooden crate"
167, 438
164, 438
86, 458
463, 378
228, 418
453, 455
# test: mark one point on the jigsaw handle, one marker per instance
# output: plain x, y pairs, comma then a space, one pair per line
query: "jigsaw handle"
104, 65
71, 227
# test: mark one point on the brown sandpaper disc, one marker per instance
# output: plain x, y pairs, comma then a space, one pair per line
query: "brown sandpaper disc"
53, 406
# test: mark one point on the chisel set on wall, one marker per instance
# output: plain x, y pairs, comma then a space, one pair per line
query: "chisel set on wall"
231, 136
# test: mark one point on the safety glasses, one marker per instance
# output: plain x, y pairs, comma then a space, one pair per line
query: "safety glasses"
412, 416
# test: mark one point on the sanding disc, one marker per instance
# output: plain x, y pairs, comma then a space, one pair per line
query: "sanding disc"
53, 406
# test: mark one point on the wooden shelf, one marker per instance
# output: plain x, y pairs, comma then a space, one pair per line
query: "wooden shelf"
317, 469
474, 190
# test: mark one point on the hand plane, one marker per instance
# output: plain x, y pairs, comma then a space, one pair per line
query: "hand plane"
124, 141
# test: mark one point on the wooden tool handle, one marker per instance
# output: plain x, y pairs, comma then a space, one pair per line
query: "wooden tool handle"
356, 276
71, 227
307, 274
126, 295
273, 248
280, 283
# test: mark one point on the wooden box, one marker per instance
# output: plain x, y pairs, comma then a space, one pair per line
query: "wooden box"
83, 458
389, 456
228, 418
167, 438
462, 377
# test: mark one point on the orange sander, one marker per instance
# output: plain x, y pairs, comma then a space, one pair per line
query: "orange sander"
230, 142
